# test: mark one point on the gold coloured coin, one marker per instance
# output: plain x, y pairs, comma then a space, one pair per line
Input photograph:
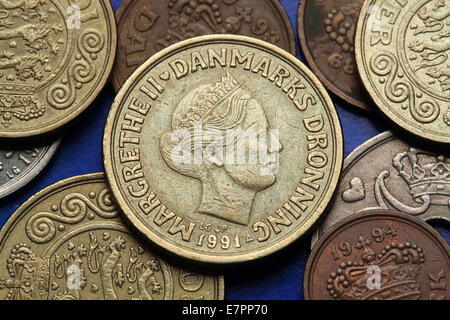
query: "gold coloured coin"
55, 58
68, 242
402, 52
223, 149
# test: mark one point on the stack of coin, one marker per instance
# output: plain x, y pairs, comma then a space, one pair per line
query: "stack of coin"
222, 147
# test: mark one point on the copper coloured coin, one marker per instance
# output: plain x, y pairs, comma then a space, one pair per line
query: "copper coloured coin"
148, 26
327, 32
379, 255
68, 242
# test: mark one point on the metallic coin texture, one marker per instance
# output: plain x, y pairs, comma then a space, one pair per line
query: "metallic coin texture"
326, 31
18, 167
402, 53
389, 173
56, 56
68, 242
379, 255
223, 149
148, 26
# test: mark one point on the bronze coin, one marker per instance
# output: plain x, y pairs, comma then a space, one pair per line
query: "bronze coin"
223, 149
377, 255
402, 52
55, 58
326, 31
68, 242
148, 26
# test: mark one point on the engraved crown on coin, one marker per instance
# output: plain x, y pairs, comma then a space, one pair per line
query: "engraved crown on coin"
209, 100
426, 175
399, 264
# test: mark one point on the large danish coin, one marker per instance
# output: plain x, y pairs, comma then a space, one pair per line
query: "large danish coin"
20, 164
56, 56
388, 172
68, 242
223, 148
148, 26
402, 52
326, 31
379, 255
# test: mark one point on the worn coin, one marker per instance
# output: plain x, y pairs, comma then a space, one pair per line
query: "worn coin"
18, 166
387, 172
223, 148
56, 56
379, 255
327, 33
148, 26
68, 242
402, 52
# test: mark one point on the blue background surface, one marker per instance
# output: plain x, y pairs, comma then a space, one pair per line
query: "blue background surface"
276, 277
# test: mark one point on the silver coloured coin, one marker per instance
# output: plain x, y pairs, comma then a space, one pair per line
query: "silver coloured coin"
18, 166
387, 172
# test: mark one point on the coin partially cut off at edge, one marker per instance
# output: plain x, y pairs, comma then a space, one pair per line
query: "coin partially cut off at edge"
57, 57
379, 255
148, 26
387, 172
402, 54
326, 31
68, 242
178, 159
18, 167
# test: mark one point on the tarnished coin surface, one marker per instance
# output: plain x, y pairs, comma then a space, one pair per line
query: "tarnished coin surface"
55, 58
327, 33
403, 52
148, 26
387, 172
223, 148
379, 255
18, 166
68, 242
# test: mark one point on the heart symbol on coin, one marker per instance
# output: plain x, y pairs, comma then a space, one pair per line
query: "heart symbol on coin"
94, 288
71, 246
165, 76
356, 191
140, 250
106, 236
131, 290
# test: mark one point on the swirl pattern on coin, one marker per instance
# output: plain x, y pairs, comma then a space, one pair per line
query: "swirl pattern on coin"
69, 243
327, 35
223, 149
402, 50
55, 58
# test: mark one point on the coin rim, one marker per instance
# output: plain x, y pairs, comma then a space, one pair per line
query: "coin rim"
284, 18
356, 155
235, 258
94, 93
353, 219
31, 172
27, 205
416, 129
312, 63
